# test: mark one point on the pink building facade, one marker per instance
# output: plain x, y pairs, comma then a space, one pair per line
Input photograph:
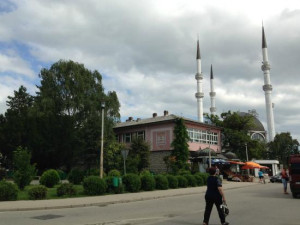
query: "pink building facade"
158, 132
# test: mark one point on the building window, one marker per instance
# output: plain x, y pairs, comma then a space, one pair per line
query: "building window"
128, 137
258, 136
161, 138
203, 136
140, 134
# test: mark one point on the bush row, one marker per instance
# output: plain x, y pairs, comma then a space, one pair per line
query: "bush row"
113, 183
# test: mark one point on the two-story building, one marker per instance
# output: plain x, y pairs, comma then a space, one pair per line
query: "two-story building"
158, 132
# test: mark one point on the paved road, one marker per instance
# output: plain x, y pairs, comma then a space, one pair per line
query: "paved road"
254, 204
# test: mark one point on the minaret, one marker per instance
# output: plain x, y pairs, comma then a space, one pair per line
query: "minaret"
199, 77
267, 88
212, 93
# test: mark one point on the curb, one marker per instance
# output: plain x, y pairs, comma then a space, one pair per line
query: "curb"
104, 200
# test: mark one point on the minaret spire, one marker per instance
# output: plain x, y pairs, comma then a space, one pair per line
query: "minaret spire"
199, 77
212, 93
267, 87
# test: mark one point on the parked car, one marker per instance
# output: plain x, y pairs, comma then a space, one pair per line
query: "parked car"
276, 178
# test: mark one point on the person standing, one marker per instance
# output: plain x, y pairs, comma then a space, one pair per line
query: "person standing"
214, 196
284, 178
261, 176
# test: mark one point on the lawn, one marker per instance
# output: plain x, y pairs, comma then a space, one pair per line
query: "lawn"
51, 194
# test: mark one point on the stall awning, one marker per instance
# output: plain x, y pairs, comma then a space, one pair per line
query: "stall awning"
236, 162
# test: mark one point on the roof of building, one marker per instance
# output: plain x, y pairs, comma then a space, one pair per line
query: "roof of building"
155, 119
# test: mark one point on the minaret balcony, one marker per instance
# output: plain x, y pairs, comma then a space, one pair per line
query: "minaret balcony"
265, 66
213, 109
267, 87
212, 94
198, 76
199, 95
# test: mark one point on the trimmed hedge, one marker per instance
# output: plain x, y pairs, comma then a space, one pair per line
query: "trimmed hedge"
49, 178
204, 177
66, 189
173, 182
94, 185
132, 182
161, 182
114, 173
62, 174
182, 181
192, 182
76, 176
199, 179
37, 192
147, 183
8, 191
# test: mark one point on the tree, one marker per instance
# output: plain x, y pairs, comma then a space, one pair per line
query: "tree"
235, 129
23, 170
180, 145
138, 156
15, 125
282, 147
68, 108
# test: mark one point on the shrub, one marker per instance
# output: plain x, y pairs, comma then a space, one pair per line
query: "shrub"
24, 171
49, 178
114, 173
62, 174
94, 185
161, 182
147, 183
37, 192
132, 182
145, 172
183, 172
182, 181
204, 177
173, 182
76, 176
66, 189
192, 182
8, 191
199, 180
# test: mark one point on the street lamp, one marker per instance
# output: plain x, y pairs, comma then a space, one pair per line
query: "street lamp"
246, 152
102, 133
247, 157
124, 154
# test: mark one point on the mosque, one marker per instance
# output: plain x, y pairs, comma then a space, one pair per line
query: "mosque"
204, 137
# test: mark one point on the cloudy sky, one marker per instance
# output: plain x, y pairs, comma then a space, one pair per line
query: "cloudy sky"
146, 51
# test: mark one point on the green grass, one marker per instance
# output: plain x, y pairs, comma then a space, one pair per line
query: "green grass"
51, 194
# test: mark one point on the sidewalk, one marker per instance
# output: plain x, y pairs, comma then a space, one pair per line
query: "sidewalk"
109, 199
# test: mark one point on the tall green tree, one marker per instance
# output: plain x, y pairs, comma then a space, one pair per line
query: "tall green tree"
68, 108
15, 125
180, 145
283, 146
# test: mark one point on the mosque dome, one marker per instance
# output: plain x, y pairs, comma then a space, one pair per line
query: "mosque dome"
257, 125
230, 155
